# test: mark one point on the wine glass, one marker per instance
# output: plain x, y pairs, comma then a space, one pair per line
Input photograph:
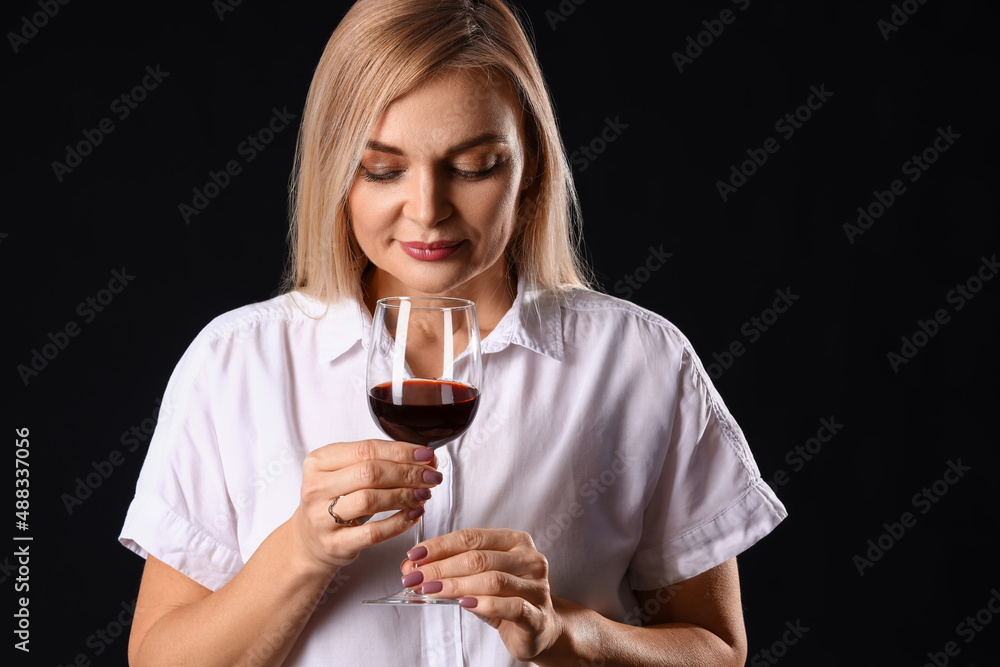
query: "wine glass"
424, 380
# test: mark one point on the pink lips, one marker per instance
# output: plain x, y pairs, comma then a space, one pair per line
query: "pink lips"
430, 252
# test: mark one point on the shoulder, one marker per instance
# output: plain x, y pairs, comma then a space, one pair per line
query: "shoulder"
254, 336
242, 323
648, 349
587, 311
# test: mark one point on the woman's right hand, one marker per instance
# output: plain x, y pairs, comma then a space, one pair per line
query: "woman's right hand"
179, 621
366, 477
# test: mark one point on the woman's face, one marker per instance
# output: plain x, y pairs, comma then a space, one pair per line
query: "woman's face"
434, 203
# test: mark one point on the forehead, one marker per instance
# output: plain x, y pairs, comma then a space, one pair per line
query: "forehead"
448, 109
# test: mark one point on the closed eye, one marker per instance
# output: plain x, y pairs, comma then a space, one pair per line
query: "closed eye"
381, 176
480, 174
389, 176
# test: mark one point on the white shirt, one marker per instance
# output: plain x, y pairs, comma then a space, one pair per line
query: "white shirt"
598, 432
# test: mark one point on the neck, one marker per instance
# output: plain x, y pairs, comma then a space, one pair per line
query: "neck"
492, 294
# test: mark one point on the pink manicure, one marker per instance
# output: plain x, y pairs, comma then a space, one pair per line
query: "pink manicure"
431, 587
413, 578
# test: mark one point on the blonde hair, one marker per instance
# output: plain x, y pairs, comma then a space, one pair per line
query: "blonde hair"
381, 50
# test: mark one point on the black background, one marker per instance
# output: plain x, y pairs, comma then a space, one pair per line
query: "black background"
654, 185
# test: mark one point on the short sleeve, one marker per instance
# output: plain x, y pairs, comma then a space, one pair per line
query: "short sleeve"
181, 512
709, 503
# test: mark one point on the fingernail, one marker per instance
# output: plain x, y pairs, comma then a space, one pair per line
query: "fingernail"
431, 587
468, 603
415, 513
413, 578
417, 553
421, 494
423, 454
433, 477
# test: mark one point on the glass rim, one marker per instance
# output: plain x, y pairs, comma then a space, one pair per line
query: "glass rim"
393, 302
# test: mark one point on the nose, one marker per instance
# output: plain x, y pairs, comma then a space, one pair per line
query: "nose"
427, 198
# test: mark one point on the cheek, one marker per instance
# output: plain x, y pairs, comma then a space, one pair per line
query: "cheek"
506, 213
368, 213
497, 210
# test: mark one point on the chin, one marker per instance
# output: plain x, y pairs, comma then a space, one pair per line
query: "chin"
428, 281
434, 287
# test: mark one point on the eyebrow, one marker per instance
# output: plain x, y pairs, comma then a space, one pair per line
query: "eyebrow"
485, 138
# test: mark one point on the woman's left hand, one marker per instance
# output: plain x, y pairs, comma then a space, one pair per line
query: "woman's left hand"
498, 575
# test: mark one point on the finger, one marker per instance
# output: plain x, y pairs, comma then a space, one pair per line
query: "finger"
495, 609
487, 584
355, 539
342, 454
469, 539
367, 476
362, 505
517, 562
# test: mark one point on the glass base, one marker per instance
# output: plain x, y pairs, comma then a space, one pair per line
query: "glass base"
406, 596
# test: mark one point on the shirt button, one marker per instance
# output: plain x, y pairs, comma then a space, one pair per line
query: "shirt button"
443, 463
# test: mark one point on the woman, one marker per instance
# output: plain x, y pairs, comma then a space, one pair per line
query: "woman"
591, 515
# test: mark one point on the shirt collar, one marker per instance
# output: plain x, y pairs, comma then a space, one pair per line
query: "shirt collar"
534, 322
345, 324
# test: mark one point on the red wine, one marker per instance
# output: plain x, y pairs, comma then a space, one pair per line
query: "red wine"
433, 412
